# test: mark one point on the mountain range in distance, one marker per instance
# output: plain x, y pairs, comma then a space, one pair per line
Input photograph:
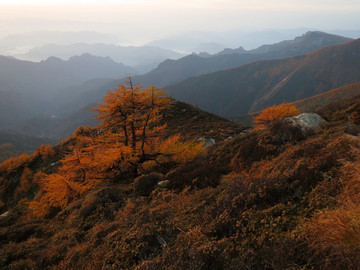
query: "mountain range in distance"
30, 89
214, 42
254, 86
213, 90
217, 92
14, 44
171, 72
52, 73
142, 58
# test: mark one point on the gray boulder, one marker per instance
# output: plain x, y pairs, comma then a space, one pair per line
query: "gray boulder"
207, 141
164, 184
306, 120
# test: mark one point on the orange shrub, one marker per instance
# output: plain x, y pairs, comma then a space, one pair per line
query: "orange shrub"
81, 131
14, 163
272, 114
45, 151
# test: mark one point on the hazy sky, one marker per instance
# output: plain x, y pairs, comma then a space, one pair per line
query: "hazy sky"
148, 19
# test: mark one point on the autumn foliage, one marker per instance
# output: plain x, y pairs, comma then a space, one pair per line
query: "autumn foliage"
337, 230
135, 113
273, 114
258, 200
127, 143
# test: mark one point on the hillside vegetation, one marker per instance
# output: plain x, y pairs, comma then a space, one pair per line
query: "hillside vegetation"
272, 198
310, 104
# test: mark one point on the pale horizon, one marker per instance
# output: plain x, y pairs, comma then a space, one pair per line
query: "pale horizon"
144, 20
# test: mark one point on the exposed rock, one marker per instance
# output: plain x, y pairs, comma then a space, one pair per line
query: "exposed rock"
164, 184
207, 141
306, 120
5, 214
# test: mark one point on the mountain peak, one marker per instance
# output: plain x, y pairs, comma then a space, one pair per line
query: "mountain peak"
239, 50
53, 59
320, 38
89, 57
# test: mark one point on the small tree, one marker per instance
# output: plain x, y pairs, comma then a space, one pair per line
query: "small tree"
271, 115
128, 141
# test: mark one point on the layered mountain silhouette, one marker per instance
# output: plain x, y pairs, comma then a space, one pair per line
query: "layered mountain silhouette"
252, 87
216, 92
53, 73
310, 41
20, 43
30, 88
213, 42
174, 71
145, 58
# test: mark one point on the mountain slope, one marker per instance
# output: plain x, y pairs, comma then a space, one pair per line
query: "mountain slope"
315, 102
257, 85
255, 201
15, 107
56, 128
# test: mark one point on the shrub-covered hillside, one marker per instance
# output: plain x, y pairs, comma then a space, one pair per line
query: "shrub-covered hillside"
272, 198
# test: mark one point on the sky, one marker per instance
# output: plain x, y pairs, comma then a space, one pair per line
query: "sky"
153, 19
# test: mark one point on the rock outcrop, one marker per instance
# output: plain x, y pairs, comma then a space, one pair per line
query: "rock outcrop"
207, 141
306, 121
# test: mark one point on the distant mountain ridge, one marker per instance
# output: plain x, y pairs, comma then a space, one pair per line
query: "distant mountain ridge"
260, 84
173, 71
167, 72
309, 41
142, 57
213, 42
52, 73
20, 43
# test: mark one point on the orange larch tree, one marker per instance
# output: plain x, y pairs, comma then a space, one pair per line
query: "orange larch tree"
128, 141
135, 113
